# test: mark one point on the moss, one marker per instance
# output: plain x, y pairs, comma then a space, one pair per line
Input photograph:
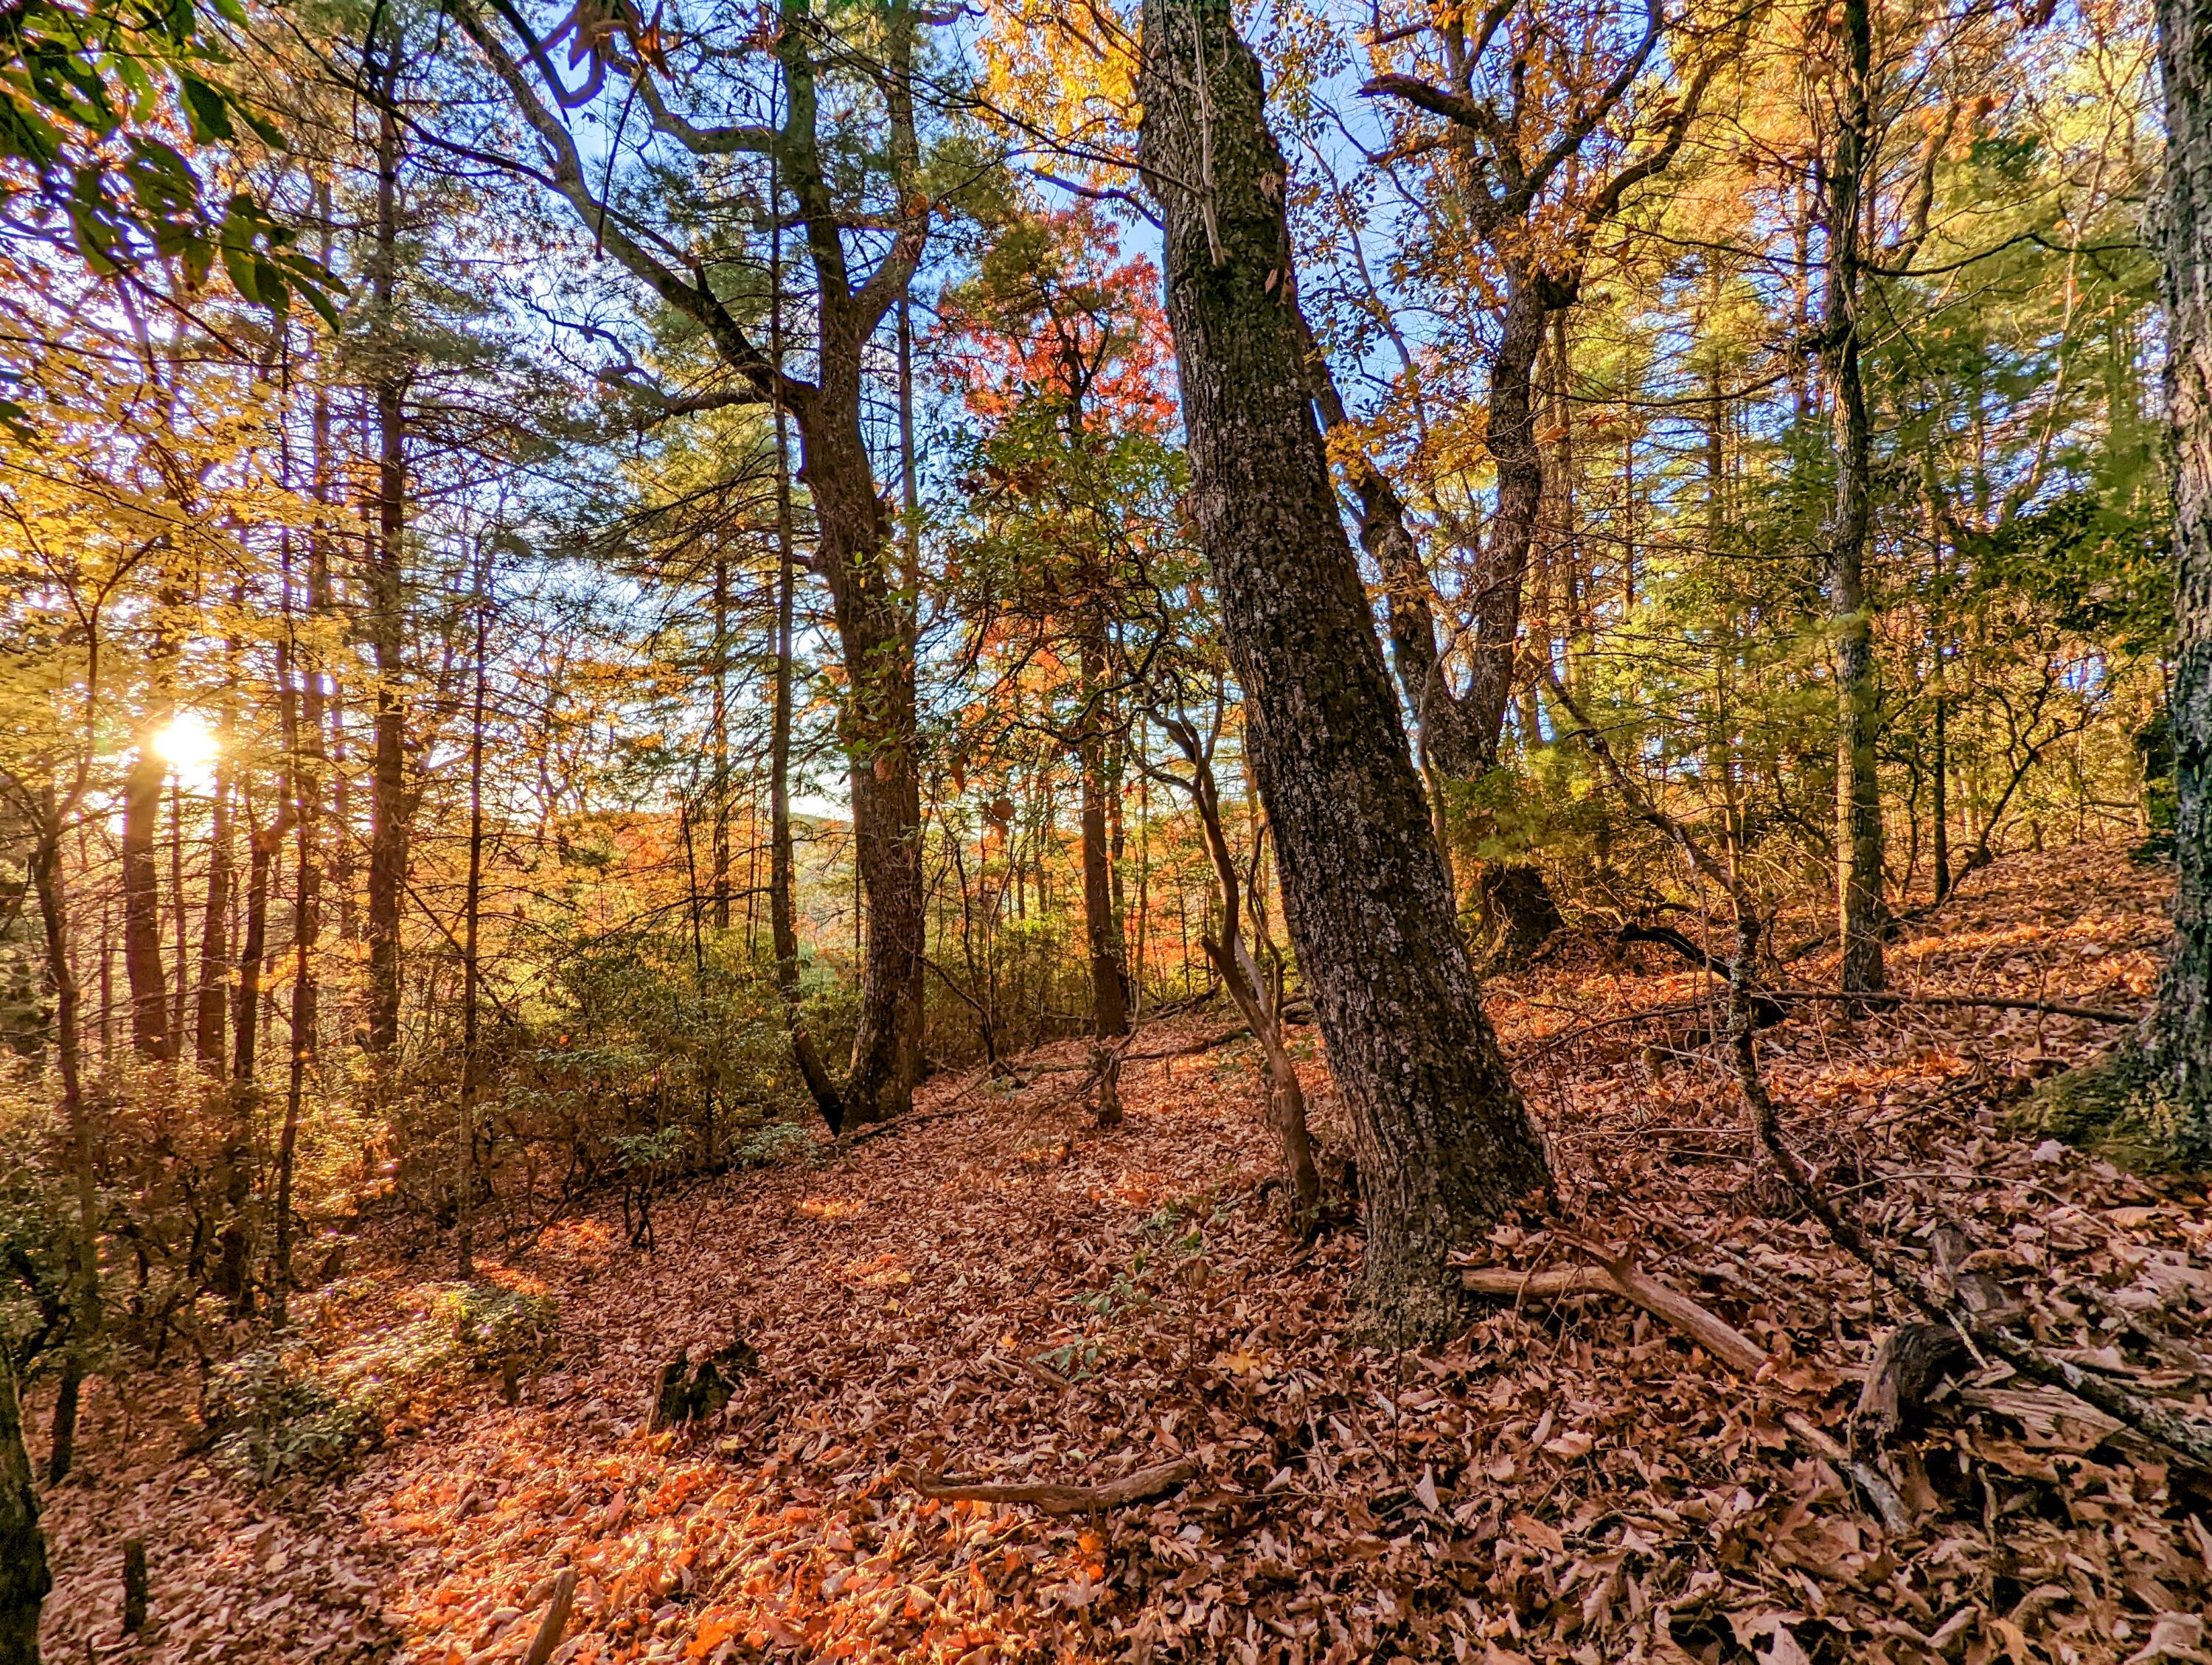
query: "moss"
2112, 1107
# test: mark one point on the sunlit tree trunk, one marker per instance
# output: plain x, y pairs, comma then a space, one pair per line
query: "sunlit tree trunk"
142, 887
1445, 1145
1858, 715
387, 850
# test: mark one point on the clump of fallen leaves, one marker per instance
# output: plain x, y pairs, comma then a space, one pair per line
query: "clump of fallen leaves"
1007, 1293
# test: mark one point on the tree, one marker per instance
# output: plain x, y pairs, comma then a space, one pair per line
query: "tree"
1445, 1145
887, 204
1059, 351
1858, 716
2180, 1036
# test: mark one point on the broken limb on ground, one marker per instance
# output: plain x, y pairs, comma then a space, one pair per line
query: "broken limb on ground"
1020, 1298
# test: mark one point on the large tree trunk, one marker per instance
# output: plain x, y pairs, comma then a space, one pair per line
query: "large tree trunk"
877, 725
1109, 998
85, 1316
1858, 799
387, 848
2180, 1035
142, 891
783, 936
24, 1578
1445, 1144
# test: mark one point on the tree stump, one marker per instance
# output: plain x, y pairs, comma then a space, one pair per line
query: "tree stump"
688, 1394
134, 1585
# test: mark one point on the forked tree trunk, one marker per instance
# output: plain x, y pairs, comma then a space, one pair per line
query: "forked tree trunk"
855, 552
1445, 1145
2180, 1036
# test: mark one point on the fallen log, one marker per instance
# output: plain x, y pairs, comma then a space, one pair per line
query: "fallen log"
1056, 1498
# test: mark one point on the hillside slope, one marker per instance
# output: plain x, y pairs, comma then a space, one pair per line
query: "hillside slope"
1001, 1290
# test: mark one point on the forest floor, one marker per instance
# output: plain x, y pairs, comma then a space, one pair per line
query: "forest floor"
1004, 1291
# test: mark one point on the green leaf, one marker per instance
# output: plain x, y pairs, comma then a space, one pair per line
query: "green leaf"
263, 129
241, 265
208, 111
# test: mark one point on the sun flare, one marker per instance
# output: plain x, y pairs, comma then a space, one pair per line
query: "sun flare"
189, 746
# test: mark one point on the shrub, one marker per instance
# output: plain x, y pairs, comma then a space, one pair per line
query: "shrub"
270, 1414
777, 1142
492, 1322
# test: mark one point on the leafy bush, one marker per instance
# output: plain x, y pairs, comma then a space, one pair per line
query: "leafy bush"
777, 1142
492, 1322
271, 1414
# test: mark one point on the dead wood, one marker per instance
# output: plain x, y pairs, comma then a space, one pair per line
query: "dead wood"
688, 1392
2183, 1436
1908, 1364
556, 1620
1056, 1498
2095, 1014
1710, 1331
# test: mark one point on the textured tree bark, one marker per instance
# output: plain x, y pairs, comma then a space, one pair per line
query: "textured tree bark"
387, 848
2180, 1034
141, 892
1110, 998
783, 937
1858, 715
214, 990
1444, 1143
24, 1577
876, 723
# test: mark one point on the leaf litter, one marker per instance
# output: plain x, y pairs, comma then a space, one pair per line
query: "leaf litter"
1005, 1294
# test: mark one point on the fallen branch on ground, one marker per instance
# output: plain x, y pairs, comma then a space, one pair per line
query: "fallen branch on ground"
1055, 1498
1710, 1331
555, 1619
2184, 1437
2095, 1014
